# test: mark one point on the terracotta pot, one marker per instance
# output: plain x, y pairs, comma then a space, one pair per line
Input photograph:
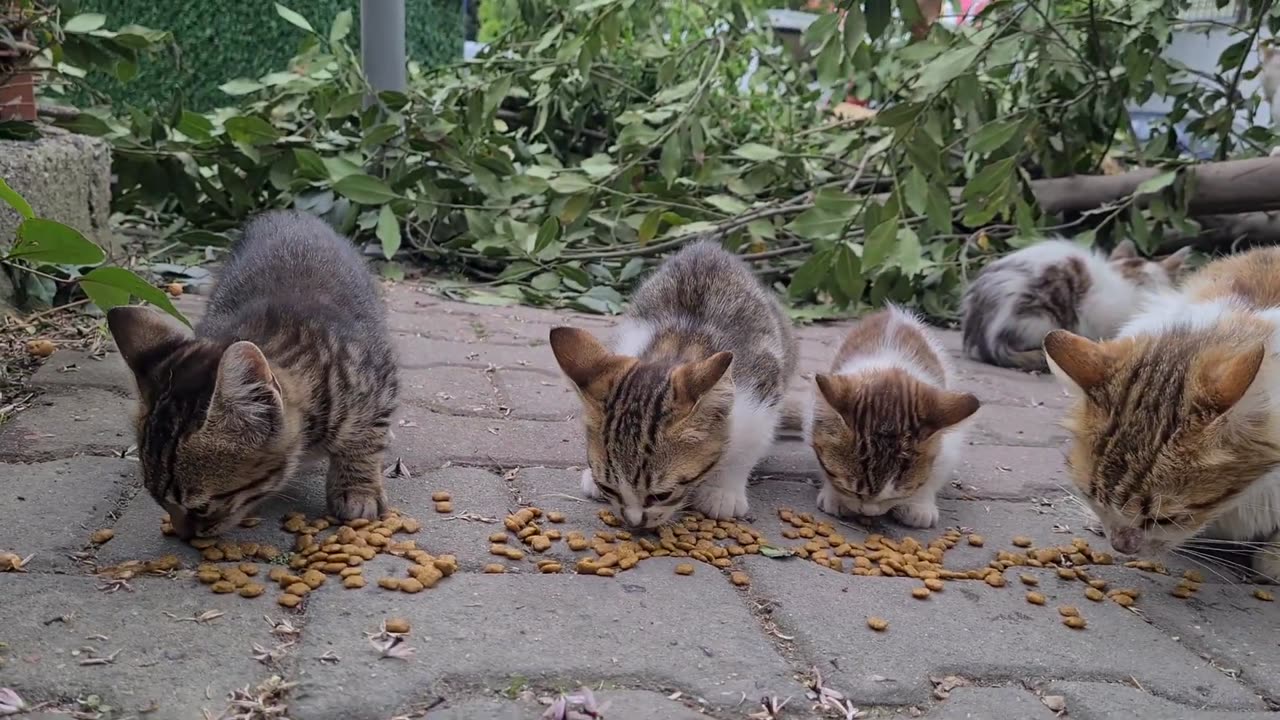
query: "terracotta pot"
18, 96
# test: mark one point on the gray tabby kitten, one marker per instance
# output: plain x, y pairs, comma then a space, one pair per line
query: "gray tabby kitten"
687, 402
293, 357
1057, 285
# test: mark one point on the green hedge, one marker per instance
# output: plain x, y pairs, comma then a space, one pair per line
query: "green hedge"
220, 40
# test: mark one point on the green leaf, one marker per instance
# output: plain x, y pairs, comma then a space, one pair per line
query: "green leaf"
49, 241
831, 65
993, 136
15, 201
910, 256
916, 192
574, 207
939, 210
1235, 54
879, 12
240, 86
990, 177
727, 204
569, 183
251, 130
388, 231
672, 160
364, 189
855, 28
817, 223
105, 286
775, 553
1157, 183
947, 67
294, 18
810, 275
310, 164
341, 27
880, 243
820, 30
649, 226
548, 233
545, 282
757, 152
901, 114
848, 272
86, 124
84, 23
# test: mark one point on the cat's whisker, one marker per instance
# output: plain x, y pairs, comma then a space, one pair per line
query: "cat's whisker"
1246, 570
1207, 562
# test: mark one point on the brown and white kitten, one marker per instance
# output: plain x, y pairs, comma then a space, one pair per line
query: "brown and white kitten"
1056, 284
687, 401
293, 356
1176, 430
886, 429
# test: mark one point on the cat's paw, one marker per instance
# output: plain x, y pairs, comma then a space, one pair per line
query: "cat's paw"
356, 503
917, 515
722, 504
589, 485
829, 500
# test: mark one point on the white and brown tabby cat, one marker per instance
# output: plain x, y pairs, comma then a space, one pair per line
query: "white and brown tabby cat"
1056, 284
1176, 430
293, 356
886, 429
686, 403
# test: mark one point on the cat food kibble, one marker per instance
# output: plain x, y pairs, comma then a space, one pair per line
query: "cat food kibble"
555, 517
444, 507
498, 538
1094, 594
684, 569
1029, 580
411, 586
1181, 592
1098, 584
1035, 598
208, 577
251, 590
934, 584
389, 583
976, 540
352, 582
920, 593
995, 580
877, 624
550, 568
740, 579
1075, 622
1263, 595
223, 587
101, 536
494, 569
1022, 541
1066, 573
441, 496
1068, 611
288, 600
609, 519
398, 626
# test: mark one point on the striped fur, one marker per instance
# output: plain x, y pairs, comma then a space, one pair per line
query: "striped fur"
293, 358
1176, 430
1056, 284
885, 428
687, 402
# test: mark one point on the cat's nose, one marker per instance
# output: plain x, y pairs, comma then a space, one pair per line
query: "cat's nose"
183, 527
633, 516
1127, 541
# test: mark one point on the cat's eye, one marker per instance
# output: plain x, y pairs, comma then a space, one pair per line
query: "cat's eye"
657, 498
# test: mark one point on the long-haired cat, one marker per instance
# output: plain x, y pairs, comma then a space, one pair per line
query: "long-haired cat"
293, 356
1056, 284
686, 402
1176, 430
886, 429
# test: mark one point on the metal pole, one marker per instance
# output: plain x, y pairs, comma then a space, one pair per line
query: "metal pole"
382, 45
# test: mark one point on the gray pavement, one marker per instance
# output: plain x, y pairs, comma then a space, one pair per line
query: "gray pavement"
487, 418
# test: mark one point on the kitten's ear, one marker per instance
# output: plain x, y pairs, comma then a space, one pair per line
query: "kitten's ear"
952, 408
583, 359
1173, 263
1224, 377
1080, 363
246, 395
829, 389
689, 382
144, 336
1124, 251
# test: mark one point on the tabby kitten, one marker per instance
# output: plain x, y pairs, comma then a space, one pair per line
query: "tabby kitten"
293, 357
1056, 284
1176, 432
687, 401
885, 428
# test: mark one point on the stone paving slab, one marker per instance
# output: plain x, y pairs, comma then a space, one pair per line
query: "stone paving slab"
89, 421
50, 509
558, 629
623, 705
1094, 701
172, 666
990, 703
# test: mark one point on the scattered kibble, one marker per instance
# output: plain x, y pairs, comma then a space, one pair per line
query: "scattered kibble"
1181, 592
976, 540
353, 582
878, 624
995, 580
1067, 573
399, 626
740, 579
684, 569
441, 496
1094, 594
1264, 596
1022, 541
444, 507
1031, 580
389, 583
288, 600
1068, 611
1123, 600
920, 593
1035, 598
933, 584
495, 569
223, 587
556, 517
102, 536
1075, 622
251, 590
250, 522
1098, 584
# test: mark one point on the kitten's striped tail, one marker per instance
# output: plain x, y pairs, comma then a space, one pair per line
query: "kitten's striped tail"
1001, 354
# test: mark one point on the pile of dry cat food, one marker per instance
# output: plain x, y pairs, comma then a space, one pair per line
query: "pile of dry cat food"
316, 556
697, 537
